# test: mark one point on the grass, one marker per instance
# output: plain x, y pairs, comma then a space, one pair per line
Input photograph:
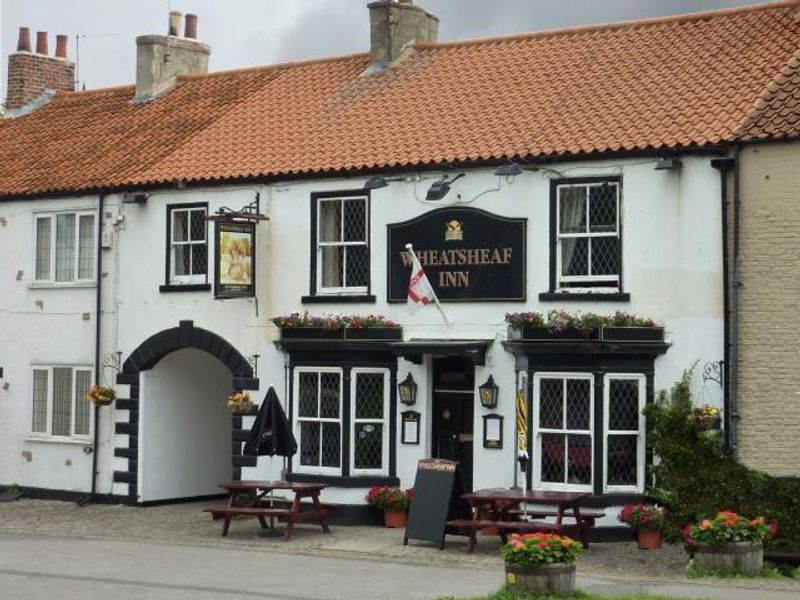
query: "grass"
509, 595
693, 572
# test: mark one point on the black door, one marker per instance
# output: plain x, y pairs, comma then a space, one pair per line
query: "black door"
453, 412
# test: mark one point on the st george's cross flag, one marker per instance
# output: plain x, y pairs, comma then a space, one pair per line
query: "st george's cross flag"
420, 291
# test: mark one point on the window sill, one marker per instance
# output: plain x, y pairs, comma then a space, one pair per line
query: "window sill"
585, 297
189, 287
344, 482
61, 286
56, 440
360, 299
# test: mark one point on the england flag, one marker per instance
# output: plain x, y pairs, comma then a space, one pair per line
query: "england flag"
420, 291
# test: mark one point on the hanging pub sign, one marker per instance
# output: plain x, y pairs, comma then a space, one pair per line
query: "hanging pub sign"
235, 268
467, 253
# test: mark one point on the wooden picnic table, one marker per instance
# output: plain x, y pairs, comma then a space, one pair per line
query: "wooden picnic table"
252, 498
498, 508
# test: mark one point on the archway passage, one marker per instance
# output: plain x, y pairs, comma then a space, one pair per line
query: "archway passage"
231, 371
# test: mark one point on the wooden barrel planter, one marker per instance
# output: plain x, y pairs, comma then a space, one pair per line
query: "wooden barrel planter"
556, 579
746, 558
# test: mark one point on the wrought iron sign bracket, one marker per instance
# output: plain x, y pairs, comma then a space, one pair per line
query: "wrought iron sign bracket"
715, 371
251, 212
253, 360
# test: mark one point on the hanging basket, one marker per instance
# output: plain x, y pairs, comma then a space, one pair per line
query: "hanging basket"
100, 395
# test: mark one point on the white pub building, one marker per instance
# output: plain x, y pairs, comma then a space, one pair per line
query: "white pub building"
151, 233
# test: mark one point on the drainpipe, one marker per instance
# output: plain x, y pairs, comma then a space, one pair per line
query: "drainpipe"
98, 306
724, 165
734, 370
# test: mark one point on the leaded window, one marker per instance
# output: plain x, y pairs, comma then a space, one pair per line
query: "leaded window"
318, 425
563, 429
588, 245
342, 260
65, 247
624, 433
370, 433
59, 407
188, 245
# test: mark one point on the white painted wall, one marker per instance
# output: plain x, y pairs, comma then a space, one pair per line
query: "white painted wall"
185, 428
672, 267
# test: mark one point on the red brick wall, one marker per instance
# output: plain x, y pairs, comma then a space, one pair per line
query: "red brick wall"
30, 75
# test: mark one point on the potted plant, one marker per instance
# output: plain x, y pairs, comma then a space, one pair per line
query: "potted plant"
704, 418
305, 326
647, 521
730, 543
101, 395
541, 563
239, 403
371, 327
393, 501
627, 327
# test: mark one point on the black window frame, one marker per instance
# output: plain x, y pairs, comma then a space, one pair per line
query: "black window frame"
555, 293
169, 285
314, 296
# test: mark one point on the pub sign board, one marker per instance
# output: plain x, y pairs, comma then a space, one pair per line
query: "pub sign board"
235, 268
468, 255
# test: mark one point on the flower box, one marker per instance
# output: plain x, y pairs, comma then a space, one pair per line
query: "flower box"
632, 334
746, 558
556, 579
311, 333
373, 333
545, 334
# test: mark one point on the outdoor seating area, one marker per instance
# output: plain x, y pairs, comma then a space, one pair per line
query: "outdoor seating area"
254, 499
518, 511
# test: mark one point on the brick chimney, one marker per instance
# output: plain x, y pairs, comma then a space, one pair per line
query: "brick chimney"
32, 74
161, 58
393, 25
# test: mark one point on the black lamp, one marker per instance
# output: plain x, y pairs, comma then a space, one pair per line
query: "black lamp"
440, 188
408, 390
488, 392
375, 183
508, 170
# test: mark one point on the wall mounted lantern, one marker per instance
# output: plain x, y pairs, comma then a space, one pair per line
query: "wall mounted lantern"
441, 187
408, 390
488, 393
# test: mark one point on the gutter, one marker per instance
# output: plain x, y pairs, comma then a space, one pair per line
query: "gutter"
736, 284
724, 166
97, 367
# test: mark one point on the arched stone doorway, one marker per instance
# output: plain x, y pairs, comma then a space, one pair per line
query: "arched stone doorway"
184, 337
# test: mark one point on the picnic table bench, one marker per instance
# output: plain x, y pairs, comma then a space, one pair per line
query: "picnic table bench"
589, 515
493, 508
258, 504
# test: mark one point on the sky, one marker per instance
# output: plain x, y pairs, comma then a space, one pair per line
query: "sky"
243, 33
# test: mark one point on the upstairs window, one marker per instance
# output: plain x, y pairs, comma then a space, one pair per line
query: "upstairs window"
187, 255
342, 245
587, 235
65, 247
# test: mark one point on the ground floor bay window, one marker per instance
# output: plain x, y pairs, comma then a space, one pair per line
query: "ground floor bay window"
588, 431
342, 421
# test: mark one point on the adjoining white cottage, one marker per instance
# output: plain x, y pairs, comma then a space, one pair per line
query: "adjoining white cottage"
559, 170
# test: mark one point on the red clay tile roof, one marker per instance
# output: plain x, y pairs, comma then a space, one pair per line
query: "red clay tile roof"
669, 83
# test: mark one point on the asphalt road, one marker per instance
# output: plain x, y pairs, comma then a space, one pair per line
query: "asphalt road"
33, 568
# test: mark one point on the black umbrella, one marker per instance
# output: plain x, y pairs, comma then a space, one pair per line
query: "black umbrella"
271, 433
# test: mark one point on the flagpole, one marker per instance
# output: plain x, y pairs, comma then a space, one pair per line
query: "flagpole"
410, 248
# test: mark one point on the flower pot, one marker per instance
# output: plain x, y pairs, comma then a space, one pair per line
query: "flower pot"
545, 334
311, 333
99, 402
746, 558
705, 422
395, 517
649, 539
373, 333
557, 579
632, 334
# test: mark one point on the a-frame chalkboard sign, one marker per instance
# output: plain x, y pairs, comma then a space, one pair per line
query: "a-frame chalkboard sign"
436, 500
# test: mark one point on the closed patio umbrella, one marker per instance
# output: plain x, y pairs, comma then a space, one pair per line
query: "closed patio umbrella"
271, 433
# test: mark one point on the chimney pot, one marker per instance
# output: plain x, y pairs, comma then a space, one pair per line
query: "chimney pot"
190, 31
24, 43
175, 18
61, 46
41, 42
